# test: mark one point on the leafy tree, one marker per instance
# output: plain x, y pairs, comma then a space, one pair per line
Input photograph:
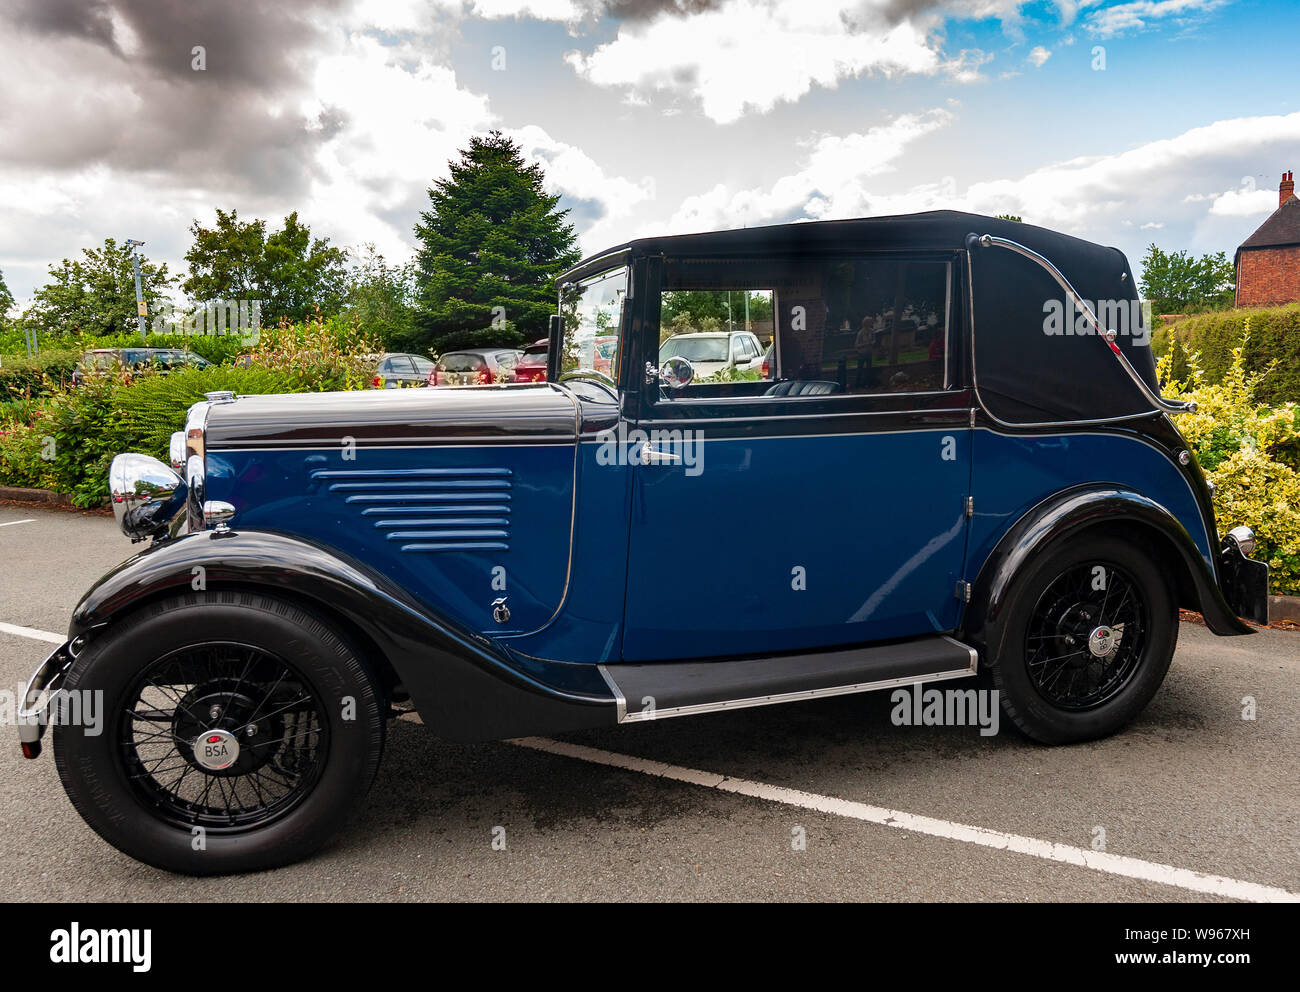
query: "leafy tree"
1016, 217
1176, 282
95, 294
491, 245
6, 301
380, 298
288, 270
718, 304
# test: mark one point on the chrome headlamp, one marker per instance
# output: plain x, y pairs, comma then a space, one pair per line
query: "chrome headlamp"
1244, 538
147, 495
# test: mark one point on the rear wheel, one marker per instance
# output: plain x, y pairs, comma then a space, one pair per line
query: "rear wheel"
1088, 634
238, 731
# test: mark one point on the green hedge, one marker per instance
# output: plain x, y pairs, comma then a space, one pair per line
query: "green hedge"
22, 377
66, 440
1274, 337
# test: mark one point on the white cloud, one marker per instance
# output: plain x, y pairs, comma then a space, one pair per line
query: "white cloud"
1095, 197
1244, 203
1138, 14
380, 118
571, 171
831, 183
1039, 55
750, 55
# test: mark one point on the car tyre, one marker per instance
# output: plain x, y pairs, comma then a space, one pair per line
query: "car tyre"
1086, 637
221, 666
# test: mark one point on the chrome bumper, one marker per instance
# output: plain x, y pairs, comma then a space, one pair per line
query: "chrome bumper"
33, 712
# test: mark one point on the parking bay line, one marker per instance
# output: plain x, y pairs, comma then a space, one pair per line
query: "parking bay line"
10, 523
1102, 861
36, 635
1111, 864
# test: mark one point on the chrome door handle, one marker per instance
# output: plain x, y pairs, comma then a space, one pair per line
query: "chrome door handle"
653, 456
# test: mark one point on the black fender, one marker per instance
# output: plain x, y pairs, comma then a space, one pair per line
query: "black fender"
465, 686
1072, 511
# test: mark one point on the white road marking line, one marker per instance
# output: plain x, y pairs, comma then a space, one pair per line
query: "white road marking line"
1112, 864
32, 632
10, 523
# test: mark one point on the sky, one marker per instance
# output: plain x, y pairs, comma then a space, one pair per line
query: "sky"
1125, 122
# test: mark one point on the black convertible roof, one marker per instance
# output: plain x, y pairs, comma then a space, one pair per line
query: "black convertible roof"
1027, 367
935, 230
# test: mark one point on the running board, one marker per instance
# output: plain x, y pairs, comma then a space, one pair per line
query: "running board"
663, 689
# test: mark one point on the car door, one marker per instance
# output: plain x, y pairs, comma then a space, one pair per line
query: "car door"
827, 508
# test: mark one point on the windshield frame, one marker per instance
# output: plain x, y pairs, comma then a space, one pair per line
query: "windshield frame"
569, 321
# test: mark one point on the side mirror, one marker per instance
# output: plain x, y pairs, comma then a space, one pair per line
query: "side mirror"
674, 373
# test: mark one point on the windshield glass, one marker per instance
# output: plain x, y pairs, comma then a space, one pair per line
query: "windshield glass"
593, 321
707, 349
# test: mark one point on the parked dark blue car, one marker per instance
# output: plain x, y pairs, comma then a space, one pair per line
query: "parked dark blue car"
960, 463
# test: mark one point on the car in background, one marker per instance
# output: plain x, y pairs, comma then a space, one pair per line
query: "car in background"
133, 359
396, 370
475, 367
531, 366
709, 352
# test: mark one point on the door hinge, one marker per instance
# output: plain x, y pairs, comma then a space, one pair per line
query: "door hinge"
963, 591
970, 506
972, 416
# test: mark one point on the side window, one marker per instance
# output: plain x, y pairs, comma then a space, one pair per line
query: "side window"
871, 324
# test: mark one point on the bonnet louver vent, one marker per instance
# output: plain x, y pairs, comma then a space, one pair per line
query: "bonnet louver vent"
429, 509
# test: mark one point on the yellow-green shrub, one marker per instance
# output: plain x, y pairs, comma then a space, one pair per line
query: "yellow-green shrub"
1250, 452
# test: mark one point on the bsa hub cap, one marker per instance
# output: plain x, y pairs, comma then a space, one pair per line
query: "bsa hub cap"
215, 750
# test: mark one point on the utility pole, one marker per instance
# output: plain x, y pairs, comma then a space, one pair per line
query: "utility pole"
141, 310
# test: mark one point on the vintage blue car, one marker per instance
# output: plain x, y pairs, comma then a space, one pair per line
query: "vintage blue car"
956, 464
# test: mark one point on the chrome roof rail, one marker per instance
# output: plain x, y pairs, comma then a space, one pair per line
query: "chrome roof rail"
1154, 398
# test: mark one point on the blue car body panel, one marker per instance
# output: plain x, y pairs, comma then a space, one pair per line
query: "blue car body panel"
1015, 472
782, 543
440, 521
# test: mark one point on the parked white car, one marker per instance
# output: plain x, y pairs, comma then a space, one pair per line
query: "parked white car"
712, 351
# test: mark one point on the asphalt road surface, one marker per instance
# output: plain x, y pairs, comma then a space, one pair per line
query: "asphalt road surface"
1192, 801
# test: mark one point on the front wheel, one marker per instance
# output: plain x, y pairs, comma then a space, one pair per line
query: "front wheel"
238, 731
1088, 634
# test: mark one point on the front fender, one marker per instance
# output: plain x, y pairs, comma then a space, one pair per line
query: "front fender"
464, 685
1074, 510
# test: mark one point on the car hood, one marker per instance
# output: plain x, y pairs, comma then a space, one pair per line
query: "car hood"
703, 369
487, 415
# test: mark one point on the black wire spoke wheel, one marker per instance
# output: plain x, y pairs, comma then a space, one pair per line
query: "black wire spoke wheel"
1086, 635
224, 736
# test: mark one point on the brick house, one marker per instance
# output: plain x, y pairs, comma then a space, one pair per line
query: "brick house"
1268, 262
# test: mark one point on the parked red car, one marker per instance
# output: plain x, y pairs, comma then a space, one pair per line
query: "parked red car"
475, 367
531, 367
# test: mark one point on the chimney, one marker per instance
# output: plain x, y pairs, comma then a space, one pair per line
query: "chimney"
1287, 189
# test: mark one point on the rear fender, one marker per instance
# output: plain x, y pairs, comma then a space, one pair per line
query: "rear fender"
1074, 511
